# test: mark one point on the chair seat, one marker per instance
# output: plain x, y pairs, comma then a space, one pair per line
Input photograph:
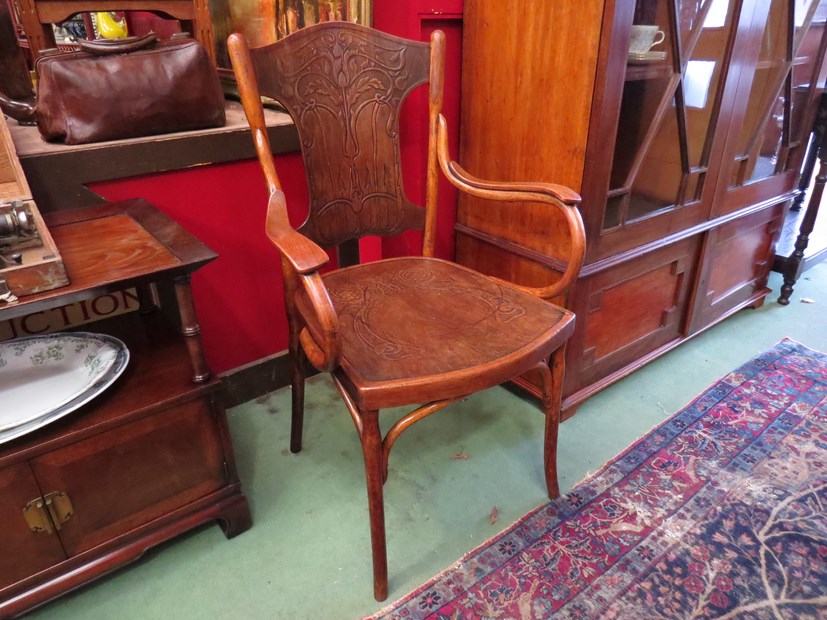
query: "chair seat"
422, 329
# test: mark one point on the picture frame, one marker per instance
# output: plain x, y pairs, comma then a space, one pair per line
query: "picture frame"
267, 21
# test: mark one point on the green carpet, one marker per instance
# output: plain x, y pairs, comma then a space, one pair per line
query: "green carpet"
308, 552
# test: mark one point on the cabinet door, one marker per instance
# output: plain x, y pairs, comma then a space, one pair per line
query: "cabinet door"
780, 51
736, 264
23, 552
660, 180
629, 311
125, 477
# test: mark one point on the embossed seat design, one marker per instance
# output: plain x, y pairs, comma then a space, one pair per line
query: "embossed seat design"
404, 339
416, 331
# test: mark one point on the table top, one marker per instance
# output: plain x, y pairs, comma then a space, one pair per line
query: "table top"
111, 247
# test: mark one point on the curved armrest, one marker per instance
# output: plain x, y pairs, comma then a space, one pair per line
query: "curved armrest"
302, 254
320, 339
560, 196
563, 194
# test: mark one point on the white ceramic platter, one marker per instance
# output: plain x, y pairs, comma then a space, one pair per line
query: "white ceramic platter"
43, 378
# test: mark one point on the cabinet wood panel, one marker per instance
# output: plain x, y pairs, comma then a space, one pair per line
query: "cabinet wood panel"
22, 551
115, 486
504, 74
630, 310
505, 264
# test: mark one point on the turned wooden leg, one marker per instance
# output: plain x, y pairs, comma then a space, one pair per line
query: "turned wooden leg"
806, 172
372, 449
297, 357
190, 329
552, 378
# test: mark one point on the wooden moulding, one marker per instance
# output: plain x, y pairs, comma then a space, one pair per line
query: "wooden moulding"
40, 267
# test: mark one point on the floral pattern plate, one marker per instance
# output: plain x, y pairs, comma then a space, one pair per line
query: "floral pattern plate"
44, 378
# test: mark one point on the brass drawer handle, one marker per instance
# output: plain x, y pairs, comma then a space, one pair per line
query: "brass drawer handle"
46, 514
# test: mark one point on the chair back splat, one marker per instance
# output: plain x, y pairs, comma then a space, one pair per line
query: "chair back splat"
344, 86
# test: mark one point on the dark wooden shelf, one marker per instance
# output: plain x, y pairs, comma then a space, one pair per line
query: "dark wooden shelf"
58, 173
661, 69
157, 376
96, 269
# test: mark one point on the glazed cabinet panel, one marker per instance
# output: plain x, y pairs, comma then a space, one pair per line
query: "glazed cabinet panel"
663, 116
686, 154
780, 52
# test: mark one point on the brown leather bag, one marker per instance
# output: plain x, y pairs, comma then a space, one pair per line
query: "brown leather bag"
125, 88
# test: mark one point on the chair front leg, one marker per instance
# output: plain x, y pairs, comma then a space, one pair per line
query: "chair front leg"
372, 448
552, 378
297, 377
296, 355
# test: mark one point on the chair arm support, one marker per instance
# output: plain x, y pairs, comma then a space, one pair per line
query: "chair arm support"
559, 196
321, 339
302, 254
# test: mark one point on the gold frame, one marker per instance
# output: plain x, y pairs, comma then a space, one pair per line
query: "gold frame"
266, 21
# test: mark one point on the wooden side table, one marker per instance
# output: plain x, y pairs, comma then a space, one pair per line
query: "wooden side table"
39, 15
145, 461
798, 248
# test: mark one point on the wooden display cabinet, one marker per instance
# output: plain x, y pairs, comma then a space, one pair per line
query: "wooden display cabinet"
149, 458
686, 160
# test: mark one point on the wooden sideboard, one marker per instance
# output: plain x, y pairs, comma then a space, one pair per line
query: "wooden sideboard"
686, 160
149, 458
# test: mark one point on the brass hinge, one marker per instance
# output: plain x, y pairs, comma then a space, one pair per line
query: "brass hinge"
47, 514
5, 292
36, 517
60, 507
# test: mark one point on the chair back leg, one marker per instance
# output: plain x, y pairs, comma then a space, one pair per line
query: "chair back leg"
372, 448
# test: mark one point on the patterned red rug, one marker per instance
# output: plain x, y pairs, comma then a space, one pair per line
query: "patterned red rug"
720, 512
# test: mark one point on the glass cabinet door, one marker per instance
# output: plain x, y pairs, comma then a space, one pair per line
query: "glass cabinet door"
671, 97
770, 133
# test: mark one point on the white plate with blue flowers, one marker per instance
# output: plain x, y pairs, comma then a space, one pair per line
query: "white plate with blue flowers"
43, 378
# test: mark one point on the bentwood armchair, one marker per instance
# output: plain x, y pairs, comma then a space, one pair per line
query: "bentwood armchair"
416, 331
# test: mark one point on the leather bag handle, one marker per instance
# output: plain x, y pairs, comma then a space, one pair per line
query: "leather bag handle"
103, 47
21, 110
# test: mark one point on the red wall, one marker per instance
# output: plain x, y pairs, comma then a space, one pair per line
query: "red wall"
239, 295
417, 19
